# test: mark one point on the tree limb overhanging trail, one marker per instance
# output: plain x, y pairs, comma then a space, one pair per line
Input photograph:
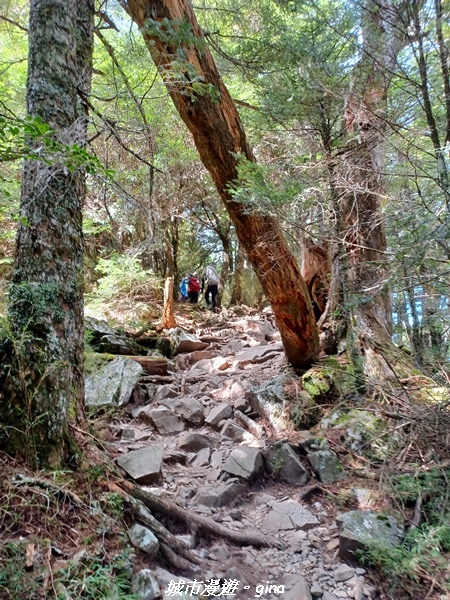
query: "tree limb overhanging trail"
207, 109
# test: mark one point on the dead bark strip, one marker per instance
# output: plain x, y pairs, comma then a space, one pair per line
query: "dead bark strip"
168, 319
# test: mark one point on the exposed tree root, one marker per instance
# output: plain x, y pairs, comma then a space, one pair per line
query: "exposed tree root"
193, 521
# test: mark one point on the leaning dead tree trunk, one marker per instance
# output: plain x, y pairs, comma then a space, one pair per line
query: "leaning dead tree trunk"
168, 319
206, 107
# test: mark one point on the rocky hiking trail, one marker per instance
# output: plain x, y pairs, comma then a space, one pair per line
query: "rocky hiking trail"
206, 444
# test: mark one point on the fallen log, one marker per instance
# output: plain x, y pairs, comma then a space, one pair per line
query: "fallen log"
152, 365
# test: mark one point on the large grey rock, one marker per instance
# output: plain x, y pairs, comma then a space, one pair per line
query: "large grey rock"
343, 573
275, 401
326, 465
118, 344
193, 442
202, 458
235, 432
182, 341
361, 529
296, 588
257, 354
362, 431
221, 494
165, 421
328, 596
289, 515
144, 465
113, 383
219, 413
163, 392
141, 537
189, 408
145, 586
97, 328
284, 463
244, 462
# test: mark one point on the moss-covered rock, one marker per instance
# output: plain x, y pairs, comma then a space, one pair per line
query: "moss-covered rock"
317, 382
284, 403
362, 431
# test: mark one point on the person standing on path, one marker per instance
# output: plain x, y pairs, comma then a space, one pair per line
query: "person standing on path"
211, 279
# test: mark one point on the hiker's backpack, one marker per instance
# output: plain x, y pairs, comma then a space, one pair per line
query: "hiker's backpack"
194, 284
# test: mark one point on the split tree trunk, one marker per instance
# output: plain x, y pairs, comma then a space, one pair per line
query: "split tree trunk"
46, 294
206, 107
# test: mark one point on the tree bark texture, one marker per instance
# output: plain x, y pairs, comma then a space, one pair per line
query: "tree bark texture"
207, 109
46, 296
359, 180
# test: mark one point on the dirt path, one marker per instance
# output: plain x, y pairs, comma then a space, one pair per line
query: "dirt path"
214, 448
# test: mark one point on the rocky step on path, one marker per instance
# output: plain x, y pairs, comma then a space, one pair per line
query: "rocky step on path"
201, 437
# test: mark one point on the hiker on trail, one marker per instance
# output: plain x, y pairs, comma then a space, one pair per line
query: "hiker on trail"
193, 288
211, 279
184, 290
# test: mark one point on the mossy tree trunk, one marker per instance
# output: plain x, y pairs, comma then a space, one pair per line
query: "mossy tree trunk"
46, 295
206, 107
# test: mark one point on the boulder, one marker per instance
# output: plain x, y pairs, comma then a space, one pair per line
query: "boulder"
193, 442
361, 430
144, 466
165, 421
244, 462
219, 413
118, 344
257, 354
141, 537
97, 328
235, 432
189, 408
145, 586
221, 494
360, 529
284, 463
113, 383
163, 392
289, 515
283, 403
202, 458
296, 588
343, 573
182, 341
326, 465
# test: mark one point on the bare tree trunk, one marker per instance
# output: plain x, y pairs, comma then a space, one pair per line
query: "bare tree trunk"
206, 107
46, 296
